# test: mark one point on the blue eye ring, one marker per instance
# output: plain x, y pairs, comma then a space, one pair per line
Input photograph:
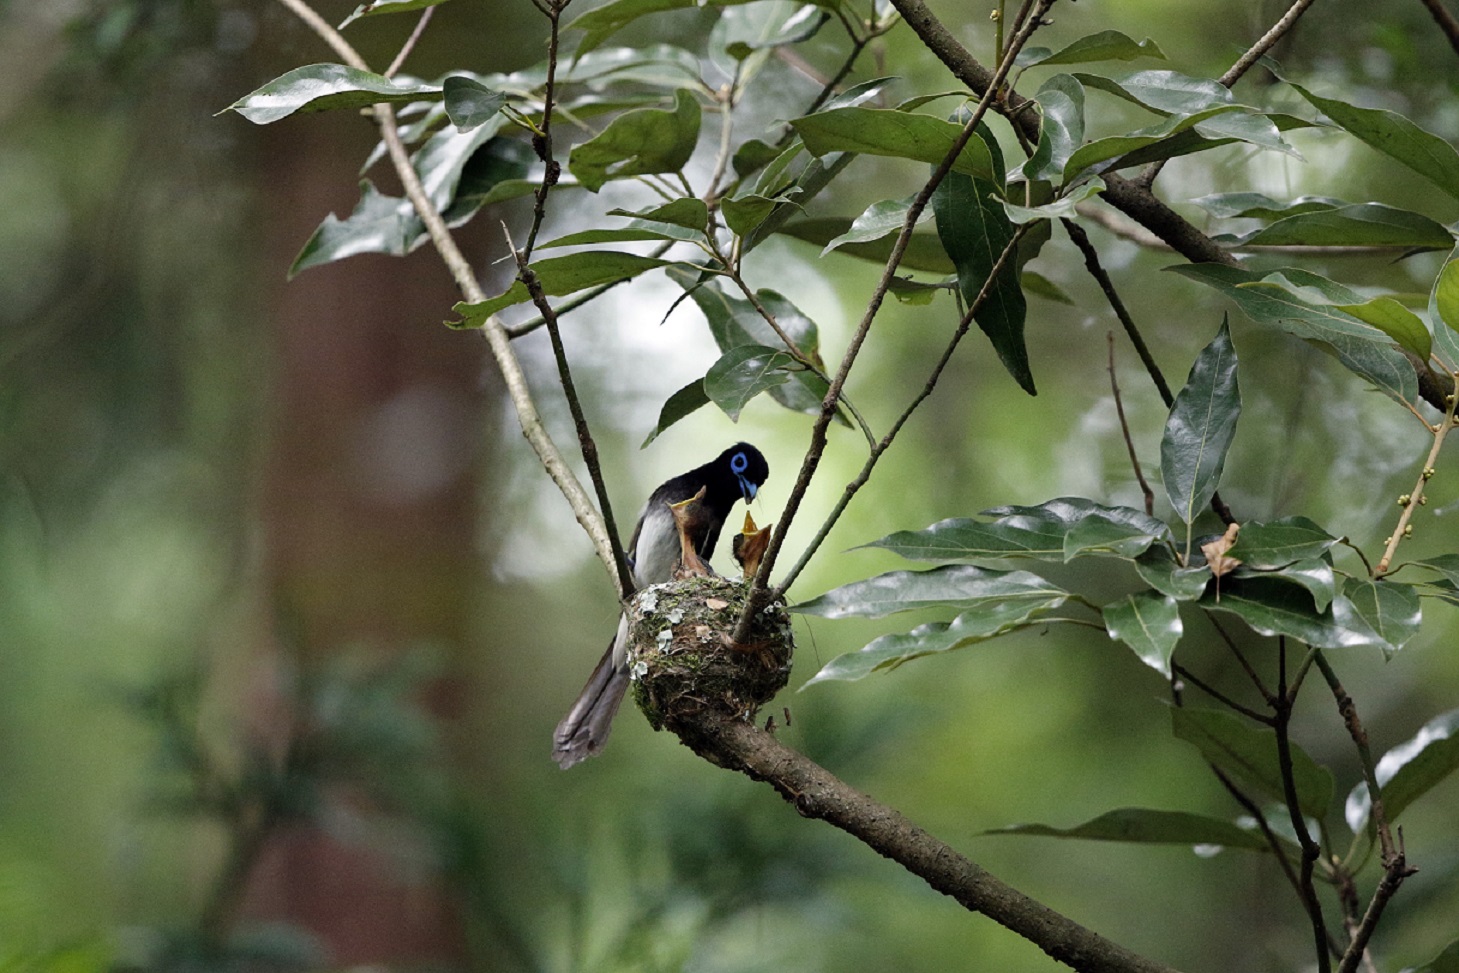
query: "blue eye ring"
739, 463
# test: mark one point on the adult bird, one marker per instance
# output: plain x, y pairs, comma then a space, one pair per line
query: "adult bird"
654, 553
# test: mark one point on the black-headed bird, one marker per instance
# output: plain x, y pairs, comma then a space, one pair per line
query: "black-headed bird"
654, 553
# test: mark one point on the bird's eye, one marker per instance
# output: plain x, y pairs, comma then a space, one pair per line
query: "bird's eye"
739, 463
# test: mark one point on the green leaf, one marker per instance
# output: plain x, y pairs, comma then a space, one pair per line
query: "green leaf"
639, 142
1106, 45
1141, 825
379, 224
975, 231
743, 214
959, 586
604, 21
1358, 225
1272, 605
470, 103
898, 134
1038, 285
1063, 207
877, 221
1444, 308
1149, 623
319, 87
1256, 205
1314, 574
924, 252
1054, 531
743, 373
1201, 426
1396, 137
689, 212
386, 7
971, 627
1410, 770
1396, 321
1248, 755
560, 276
682, 220
1061, 130
1391, 608
688, 399
1166, 92
1361, 348
1446, 565
1091, 154
1446, 962
1277, 543
1158, 568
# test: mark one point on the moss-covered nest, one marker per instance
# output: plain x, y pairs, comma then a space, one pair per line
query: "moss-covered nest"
680, 658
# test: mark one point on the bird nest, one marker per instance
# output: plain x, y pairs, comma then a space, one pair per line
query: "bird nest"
681, 658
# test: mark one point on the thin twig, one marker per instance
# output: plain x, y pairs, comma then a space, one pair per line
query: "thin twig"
1446, 22
1416, 498
1310, 851
542, 141
1243, 64
1114, 387
1393, 876
1274, 842
513, 377
1266, 694
759, 595
1219, 696
410, 42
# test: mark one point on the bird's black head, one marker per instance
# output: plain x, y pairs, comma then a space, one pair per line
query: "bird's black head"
748, 467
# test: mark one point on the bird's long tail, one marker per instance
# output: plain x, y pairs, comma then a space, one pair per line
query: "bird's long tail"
584, 731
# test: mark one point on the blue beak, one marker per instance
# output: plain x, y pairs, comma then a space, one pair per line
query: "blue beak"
747, 488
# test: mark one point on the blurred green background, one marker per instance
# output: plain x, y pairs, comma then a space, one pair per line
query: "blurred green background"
237, 512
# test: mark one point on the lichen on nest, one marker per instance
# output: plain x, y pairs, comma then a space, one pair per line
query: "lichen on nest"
681, 660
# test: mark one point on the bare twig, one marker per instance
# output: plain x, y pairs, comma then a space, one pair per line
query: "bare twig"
1219, 696
1349, 712
542, 141
1412, 501
759, 594
1446, 22
1114, 387
410, 42
513, 377
816, 793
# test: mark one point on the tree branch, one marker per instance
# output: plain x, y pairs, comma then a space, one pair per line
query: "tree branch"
1446, 22
816, 793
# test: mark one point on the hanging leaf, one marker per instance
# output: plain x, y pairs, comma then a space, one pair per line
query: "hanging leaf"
1061, 208
560, 276
960, 586
1061, 128
1149, 623
980, 624
975, 231
1314, 574
687, 400
1201, 426
1444, 310
878, 220
1391, 608
1272, 605
924, 252
386, 7
1058, 530
1396, 137
1106, 45
1396, 321
379, 224
1358, 225
1248, 755
470, 103
320, 87
641, 142
743, 373
898, 134
1409, 770
1158, 568
1141, 825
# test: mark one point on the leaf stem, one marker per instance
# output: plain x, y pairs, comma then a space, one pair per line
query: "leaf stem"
1416, 498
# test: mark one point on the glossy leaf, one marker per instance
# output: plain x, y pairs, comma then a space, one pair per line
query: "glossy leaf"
1043, 532
560, 276
1314, 574
1149, 623
442, 160
898, 134
743, 214
1201, 426
1061, 208
924, 252
876, 221
386, 7
1141, 825
689, 212
1106, 45
639, 142
1158, 568
1259, 206
1163, 91
379, 224
1391, 608
1061, 129
687, 400
470, 103
975, 231
1410, 770
1277, 543
1091, 154
1274, 606
1358, 225
682, 220
1248, 755
1396, 321
969, 628
1396, 137
1444, 310
319, 87
1361, 348
959, 586
744, 372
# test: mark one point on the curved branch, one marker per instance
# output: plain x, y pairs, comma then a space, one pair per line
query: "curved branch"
815, 792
